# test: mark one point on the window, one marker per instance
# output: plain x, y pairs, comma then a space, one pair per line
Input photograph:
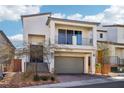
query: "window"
62, 36
65, 36
69, 36
101, 35
78, 35
36, 53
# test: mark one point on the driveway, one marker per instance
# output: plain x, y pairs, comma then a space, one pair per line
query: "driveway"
77, 77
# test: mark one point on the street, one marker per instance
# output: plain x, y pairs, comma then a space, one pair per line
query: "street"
118, 84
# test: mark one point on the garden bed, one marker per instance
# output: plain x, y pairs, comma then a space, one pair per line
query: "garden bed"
26, 79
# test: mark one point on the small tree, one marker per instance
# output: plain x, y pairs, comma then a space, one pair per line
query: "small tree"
35, 52
106, 51
42, 51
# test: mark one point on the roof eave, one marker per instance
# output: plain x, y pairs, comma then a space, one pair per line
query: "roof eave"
68, 20
115, 25
7, 39
39, 14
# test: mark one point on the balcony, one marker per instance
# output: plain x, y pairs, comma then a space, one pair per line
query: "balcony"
75, 41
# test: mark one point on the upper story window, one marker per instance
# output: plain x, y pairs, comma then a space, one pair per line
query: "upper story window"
62, 36
66, 36
78, 35
101, 35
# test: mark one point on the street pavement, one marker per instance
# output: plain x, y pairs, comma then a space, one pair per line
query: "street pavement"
110, 82
116, 84
81, 83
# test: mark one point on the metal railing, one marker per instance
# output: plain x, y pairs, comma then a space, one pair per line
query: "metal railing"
121, 62
69, 41
114, 60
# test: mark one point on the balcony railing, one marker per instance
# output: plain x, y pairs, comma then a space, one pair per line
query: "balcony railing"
83, 41
114, 60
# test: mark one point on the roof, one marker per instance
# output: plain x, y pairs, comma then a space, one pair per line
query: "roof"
9, 42
39, 14
99, 30
115, 25
69, 20
114, 43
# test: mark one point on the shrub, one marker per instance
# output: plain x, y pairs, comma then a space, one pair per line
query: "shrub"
26, 75
36, 78
98, 65
44, 78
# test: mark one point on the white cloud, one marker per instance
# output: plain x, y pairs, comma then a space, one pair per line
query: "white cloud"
58, 15
95, 18
17, 37
76, 16
12, 12
17, 40
112, 15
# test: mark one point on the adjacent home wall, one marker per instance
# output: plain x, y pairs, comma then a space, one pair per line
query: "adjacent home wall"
105, 37
120, 34
112, 34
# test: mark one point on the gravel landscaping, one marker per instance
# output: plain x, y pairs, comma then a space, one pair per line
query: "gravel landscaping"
18, 80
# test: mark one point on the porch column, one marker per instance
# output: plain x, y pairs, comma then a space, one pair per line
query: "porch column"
95, 37
93, 62
51, 68
52, 32
86, 64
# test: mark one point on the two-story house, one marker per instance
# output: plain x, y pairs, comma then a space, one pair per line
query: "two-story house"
73, 43
7, 50
113, 37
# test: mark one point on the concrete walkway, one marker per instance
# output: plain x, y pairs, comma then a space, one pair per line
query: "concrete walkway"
76, 83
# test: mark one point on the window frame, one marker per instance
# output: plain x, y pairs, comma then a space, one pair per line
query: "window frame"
66, 36
101, 35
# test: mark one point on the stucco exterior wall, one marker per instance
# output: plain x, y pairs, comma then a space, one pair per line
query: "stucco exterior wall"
35, 25
105, 37
36, 39
120, 34
112, 34
119, 52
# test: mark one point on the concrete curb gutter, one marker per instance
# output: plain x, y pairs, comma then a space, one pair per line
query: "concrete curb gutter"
76, 83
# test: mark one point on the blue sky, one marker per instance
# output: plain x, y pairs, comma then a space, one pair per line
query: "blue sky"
11, 24
15, 27
72, 9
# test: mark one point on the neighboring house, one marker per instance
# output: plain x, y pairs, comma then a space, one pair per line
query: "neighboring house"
113, 37
73, 44
6, 51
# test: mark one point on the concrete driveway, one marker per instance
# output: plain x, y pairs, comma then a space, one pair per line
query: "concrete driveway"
77, 77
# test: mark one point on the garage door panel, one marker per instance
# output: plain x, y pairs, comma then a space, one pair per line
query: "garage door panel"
68, 65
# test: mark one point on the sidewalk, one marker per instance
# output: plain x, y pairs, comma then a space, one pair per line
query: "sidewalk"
76, 83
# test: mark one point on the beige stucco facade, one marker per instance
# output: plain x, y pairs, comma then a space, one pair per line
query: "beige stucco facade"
33, 26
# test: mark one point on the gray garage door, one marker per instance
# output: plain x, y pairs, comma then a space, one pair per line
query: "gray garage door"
68, 65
